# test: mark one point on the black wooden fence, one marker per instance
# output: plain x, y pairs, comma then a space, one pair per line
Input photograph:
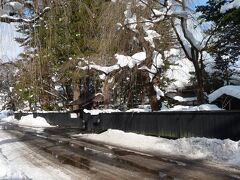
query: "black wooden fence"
62, 119
211, 124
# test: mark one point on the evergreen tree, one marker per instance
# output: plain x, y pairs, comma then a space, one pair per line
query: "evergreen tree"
225, 44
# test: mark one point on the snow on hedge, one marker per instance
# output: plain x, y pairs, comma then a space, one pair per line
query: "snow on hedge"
233, 91
226, 151
228, 6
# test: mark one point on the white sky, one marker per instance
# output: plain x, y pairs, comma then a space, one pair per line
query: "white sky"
9, 48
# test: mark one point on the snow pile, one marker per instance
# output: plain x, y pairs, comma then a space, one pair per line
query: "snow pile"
194, 148
203, 107
29, 120
9, 119
99, 111
233, 91
228, 6
4, 114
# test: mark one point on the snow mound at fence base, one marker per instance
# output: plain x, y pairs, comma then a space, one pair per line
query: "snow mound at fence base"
29, 120
223, 151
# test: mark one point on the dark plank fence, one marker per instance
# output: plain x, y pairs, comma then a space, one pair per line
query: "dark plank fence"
61, 119
211, 124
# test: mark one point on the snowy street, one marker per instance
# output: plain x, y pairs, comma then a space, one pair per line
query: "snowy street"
19, 161
53, 153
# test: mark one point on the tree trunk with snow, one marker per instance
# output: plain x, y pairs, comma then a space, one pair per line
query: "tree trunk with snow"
149, 84
200, 81
194, 52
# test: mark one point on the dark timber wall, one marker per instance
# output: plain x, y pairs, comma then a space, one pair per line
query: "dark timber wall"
211, 124
214, 124
62, 119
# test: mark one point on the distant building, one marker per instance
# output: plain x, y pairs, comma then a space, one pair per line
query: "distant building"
186, 96
226, 97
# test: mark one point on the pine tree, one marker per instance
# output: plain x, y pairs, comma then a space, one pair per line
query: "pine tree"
225, 44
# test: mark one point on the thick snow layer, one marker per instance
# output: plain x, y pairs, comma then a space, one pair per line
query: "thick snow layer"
233, 91
130, 18
229, 6
98, 111
180, 73
16, 5
138, 110
182, 99
224, 151
151, 35
29, 120
147, 108
159, 92
105, 69
203, 107
195, 33
130, 61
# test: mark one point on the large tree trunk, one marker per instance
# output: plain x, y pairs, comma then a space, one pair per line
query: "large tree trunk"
106, 93
151, 94
200, 84
76, 95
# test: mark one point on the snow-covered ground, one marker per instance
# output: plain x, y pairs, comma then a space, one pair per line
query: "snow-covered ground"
215, 150
18, 161
13, 164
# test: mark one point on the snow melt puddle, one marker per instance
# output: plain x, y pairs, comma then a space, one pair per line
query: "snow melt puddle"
226, 151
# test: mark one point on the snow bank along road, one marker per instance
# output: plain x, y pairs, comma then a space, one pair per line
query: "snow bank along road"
53, 153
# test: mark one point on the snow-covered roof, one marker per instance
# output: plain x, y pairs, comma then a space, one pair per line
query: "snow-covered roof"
233, 91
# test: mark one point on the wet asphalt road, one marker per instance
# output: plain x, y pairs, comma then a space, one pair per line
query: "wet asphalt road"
108, 162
